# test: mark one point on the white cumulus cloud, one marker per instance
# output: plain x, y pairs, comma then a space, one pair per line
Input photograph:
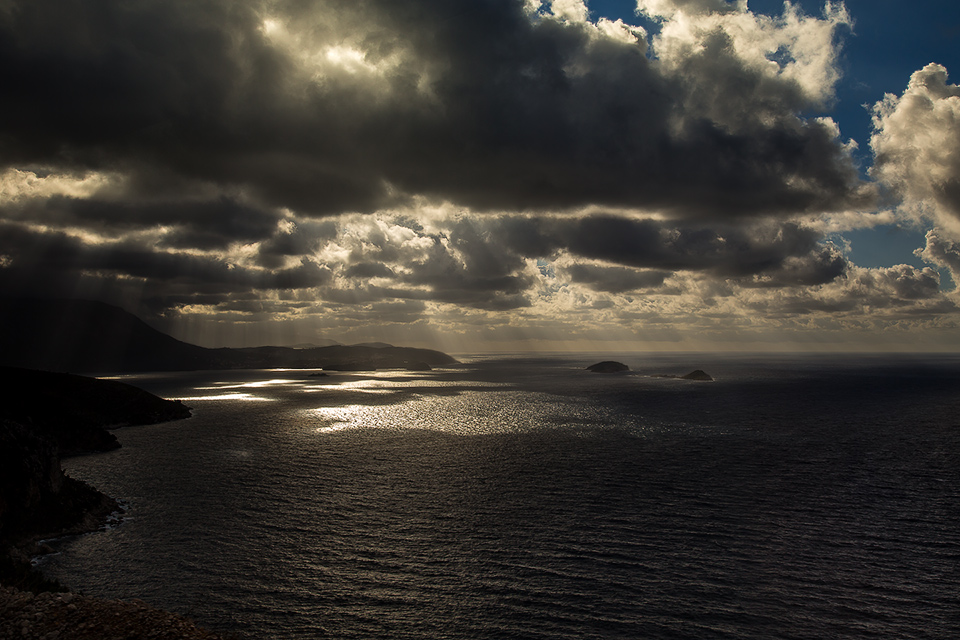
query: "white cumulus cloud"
917, 145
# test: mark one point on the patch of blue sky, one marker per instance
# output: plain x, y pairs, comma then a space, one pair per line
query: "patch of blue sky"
883, 246
546, 268
889, 40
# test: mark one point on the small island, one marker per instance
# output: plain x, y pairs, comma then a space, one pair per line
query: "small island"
697, 374
612, 366
608, 366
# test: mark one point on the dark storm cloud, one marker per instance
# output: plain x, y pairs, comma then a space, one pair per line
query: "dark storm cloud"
900, 291
481, 252
211, 224
474, 103
527, 132
615, 279
483, 277
486, 262
369, 270
306, 275
727, 251
465, 264
906, 282
217, 134
185, 89
37, 256
821, 266
300, 239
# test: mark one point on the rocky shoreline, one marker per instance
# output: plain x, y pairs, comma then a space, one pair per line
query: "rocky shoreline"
44, 416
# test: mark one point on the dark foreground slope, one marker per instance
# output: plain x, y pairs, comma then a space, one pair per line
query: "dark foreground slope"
93, 337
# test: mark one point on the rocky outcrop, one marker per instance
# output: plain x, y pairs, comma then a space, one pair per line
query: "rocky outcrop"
37, 499
608, 366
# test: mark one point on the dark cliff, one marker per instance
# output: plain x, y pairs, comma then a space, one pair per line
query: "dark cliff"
36, 497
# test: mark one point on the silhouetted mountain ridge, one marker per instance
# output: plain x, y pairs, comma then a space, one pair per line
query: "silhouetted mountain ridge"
93, 337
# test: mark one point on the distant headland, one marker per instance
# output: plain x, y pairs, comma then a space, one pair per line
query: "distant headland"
94, 337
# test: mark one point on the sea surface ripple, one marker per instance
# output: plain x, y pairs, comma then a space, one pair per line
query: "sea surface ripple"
509, 497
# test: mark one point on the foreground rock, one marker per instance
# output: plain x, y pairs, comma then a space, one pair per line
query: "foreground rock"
42, 415
608, 366
67, 616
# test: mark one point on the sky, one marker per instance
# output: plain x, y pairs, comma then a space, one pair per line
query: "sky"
490, 175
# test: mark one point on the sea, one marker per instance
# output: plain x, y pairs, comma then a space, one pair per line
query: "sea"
521, 496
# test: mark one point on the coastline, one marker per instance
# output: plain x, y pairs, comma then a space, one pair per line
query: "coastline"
43, 418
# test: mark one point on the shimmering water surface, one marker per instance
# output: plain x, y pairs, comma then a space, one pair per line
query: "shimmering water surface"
516, 497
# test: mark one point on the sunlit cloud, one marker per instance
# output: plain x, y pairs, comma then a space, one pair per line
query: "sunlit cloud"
916, 145
17, 185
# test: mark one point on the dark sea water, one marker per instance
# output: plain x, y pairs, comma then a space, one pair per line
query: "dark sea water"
510, 497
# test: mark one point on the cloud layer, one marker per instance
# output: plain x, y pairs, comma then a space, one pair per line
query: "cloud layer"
437, 165
330, 107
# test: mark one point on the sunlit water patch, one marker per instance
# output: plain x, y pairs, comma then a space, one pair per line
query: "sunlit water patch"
470, 413
226, 396
256, 384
